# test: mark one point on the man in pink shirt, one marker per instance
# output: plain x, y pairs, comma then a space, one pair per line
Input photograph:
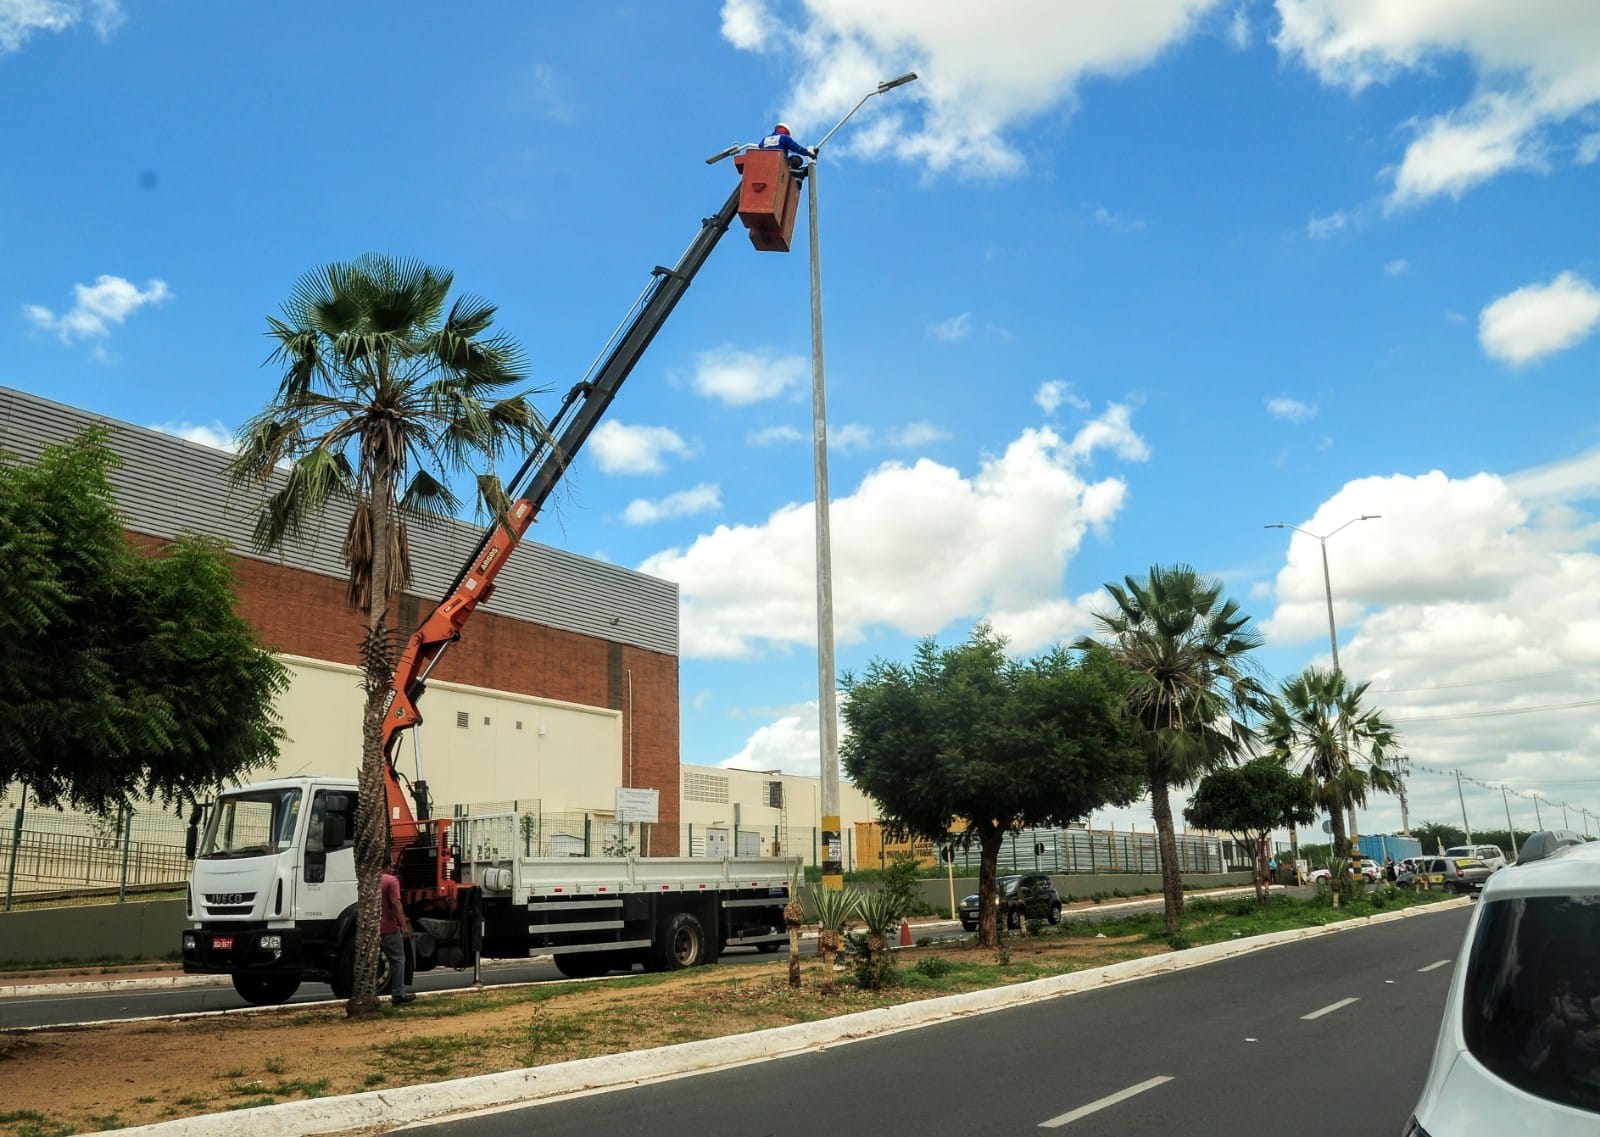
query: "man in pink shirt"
393, 929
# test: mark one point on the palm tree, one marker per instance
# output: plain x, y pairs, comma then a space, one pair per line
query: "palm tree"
1318, 726
1193, 690
384, 395
835, 908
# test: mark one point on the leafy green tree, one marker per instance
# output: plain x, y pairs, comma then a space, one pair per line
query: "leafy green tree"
1193, 694
1249, 802
964, 738
385, 394
1437, 836
1319, 727
122, 675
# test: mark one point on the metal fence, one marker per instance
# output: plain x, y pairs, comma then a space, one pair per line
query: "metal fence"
57, 854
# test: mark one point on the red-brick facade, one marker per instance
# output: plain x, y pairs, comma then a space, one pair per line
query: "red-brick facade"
304, 613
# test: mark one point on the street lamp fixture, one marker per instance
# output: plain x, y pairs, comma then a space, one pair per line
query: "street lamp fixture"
827, 696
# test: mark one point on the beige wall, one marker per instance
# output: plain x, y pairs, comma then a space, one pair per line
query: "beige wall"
748, 790
514, 747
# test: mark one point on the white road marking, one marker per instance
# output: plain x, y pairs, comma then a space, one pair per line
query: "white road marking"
1434, 966
1097, 1106
1329, 1009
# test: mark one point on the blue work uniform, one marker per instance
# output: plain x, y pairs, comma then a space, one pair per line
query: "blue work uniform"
795, 153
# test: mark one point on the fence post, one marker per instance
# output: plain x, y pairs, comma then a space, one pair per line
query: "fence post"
125, 815
776, 851
586, 835
16, 843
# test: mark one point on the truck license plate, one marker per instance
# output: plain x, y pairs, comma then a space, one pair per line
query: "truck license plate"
222, 943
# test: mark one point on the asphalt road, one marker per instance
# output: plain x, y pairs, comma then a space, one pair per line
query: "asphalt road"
1326, 1037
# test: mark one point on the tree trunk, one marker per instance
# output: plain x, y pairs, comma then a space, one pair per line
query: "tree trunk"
989, 841
1167, 843
1341, 848
794, 916
372, 821
1261, 872
827, 948
1294, 851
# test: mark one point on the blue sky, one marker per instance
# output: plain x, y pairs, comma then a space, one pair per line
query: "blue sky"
1109, 286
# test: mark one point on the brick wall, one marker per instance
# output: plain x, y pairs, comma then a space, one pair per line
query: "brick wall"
303, 613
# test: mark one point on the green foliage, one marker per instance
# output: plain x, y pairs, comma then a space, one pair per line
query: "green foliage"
122, 675
1319, 727
1193, 691
934, 966
965, 738
900, 878
833, 908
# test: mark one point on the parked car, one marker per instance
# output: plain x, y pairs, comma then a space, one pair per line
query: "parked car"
1370, 870
1455, 874
1408, 869
1016, 895
1519, 1043
1488, 854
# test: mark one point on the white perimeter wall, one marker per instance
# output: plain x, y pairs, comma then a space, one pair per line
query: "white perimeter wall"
514, 747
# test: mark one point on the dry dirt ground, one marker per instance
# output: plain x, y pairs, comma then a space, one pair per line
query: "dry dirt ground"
59, 1081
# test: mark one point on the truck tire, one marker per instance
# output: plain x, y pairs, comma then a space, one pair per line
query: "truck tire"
266, 990
682, 945
344, 973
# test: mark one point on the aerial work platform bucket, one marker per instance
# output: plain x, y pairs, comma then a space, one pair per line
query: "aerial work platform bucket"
769, 198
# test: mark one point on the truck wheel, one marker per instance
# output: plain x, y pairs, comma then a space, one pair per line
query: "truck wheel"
344, 975
266, 990
768, 947
683, 945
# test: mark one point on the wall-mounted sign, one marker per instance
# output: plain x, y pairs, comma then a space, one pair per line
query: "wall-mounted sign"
635, 805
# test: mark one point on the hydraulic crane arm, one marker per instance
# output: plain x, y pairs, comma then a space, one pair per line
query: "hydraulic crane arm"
530, 487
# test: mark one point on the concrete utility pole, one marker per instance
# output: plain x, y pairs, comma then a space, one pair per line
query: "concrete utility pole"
1333, 644
827, 695
1463, 799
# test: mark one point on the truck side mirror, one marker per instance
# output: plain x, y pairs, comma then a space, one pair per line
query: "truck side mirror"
191, 839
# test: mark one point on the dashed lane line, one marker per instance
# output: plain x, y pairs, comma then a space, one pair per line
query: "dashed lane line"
1329, 1009
1105, 1102
1434, 966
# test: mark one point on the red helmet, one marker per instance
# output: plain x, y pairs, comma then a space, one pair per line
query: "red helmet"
780, 129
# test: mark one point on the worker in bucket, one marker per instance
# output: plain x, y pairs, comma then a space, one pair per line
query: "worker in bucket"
393, 931
781, 139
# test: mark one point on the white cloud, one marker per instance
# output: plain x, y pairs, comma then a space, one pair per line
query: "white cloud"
1321, 228
20, 19
916, 434
916, 547
212, 434
1397, 267
849, 436
739, 378
1239, 35
1469, 597
773, 435
1537, 67
704, 498
109, 300
624, 449
790, 742
988, 71
1291, 410
1116, 222
1539, 319
1053, 394
955, 328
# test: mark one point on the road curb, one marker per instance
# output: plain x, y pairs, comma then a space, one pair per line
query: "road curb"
412, 1104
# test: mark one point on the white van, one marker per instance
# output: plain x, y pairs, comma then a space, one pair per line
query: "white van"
1488, 854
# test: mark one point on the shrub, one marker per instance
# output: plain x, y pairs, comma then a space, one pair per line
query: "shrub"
934, 966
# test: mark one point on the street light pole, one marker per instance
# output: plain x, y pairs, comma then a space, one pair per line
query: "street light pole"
1333, 635
827, 696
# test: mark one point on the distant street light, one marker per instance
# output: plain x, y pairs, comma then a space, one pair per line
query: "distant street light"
828, 702
1333, 635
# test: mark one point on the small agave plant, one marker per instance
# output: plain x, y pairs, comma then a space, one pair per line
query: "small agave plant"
880, 912
835, 909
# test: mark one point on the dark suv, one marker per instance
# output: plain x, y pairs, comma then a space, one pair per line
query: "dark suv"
1019, 897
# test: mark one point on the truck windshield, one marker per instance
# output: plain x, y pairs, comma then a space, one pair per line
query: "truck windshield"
1531, 1006
253, 824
